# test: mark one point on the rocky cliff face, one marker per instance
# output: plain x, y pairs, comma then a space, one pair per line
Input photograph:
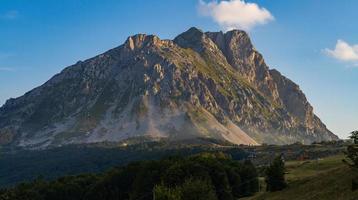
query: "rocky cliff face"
198, 85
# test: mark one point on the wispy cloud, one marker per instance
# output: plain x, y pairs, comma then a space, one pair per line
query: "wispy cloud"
10, 15
5, 55
344, 52
235, 14
7, 69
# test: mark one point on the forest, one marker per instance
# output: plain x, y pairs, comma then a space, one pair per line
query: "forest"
202, 176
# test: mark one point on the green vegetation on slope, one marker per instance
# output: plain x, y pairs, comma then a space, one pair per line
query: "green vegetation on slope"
218, 175
27, 165
324, 179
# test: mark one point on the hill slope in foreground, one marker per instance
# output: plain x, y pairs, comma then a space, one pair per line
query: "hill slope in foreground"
211, 84
325, 179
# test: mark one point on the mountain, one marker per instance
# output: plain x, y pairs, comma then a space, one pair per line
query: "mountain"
211, 84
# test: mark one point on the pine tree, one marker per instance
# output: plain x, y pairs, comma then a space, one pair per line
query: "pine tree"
352, 157
352, 151
275, 175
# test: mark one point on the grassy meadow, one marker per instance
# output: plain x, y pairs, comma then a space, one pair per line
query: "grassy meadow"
323, 179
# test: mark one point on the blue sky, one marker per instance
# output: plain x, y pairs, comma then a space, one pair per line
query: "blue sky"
39, 38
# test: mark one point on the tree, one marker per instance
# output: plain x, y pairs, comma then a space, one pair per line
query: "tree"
275, 175
352, 157
191, 189
249, 179
235, 182
352, 151
162, 192
199, 177
354, 137
194, 189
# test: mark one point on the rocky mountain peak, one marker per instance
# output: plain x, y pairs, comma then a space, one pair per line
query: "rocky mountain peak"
211, 84
195, 39
193, 34
139, 41
228, 41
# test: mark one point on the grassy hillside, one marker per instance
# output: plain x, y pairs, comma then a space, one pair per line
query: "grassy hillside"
326, 179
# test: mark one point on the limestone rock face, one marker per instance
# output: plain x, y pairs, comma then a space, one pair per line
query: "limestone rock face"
240, 54
198, 85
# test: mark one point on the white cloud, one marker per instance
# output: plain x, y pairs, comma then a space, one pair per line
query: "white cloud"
344, 52
235, 14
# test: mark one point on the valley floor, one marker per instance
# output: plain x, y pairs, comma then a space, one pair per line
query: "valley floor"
324, 179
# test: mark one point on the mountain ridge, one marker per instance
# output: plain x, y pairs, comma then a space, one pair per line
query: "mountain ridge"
211, 84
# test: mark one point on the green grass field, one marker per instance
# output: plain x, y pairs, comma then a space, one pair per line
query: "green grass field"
325, 179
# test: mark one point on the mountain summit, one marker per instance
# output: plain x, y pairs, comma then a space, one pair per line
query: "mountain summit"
201, 84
